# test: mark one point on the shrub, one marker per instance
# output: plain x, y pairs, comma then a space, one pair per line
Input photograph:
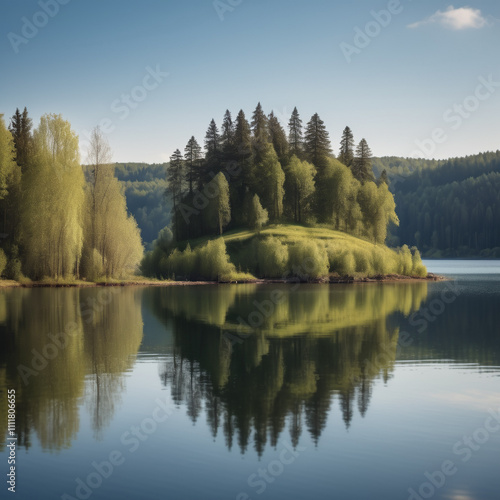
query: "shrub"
418, 268
362, 261
307, 259
214, 263
272, 258
405, 261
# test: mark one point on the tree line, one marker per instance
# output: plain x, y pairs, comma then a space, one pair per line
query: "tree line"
452, 208
59, 219
251, 173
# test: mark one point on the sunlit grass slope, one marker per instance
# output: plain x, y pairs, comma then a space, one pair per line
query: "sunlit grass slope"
284, 250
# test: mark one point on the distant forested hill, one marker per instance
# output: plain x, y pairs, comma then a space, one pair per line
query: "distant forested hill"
145, 192
447, 208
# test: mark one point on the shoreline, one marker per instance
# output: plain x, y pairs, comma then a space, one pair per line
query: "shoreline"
332, 280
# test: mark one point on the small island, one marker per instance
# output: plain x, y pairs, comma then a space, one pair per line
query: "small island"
260, 204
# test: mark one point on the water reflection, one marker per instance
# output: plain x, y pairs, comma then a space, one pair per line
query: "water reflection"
316, 345
60, 346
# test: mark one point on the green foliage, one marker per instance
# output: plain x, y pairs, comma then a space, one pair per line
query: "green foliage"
449, 208
271, 258
257, 216
3, 262
219, 208
308, 259
300, 187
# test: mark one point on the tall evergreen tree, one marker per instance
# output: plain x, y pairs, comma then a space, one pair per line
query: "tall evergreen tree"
317, 142
10, 182
260, 132
362, 166
212, 140
346, 154
192, 157
295, 138
20, 127
227, 132
175, 184
277, 137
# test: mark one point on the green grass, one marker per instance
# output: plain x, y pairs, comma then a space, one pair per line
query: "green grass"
312, 252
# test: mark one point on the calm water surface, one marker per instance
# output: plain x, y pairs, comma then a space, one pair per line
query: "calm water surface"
371, 391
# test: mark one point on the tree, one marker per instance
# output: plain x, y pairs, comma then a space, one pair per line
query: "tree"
219, 207
300, 183
260, 132
257, 216
295, 134
346, 153
175, 184
212, 140
112, 241
362, 167
192, 157
10, 180
20, 127
101, 173
227, 136
383, 178
53, 201
270, 183
277, 137
317, 142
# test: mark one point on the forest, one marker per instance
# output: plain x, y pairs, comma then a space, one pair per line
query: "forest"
448, 208
61, 221
255, 174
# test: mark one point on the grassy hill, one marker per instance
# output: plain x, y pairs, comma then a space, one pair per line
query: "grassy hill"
281, 251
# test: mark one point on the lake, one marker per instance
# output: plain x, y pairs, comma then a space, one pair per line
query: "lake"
386, 391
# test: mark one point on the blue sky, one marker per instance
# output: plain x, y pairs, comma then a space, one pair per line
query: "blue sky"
398, 84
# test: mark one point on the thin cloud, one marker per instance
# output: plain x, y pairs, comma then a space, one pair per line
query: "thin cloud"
455, 19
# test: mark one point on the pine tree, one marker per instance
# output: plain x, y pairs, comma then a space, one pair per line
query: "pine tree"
260, 132
346, 154
10, 182
227, 135
295, 134
277, 137
383, 178
192, 157
212, 140
175, 184
362, 166
20, 127
317, 142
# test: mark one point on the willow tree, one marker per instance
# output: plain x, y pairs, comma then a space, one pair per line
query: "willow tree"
52, 202
219, 207
300, 186
113, 244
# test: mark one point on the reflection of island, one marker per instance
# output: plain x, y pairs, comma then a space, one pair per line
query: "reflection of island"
81, 342
317, 344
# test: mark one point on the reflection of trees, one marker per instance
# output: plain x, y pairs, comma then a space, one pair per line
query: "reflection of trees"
319, 344
89, 364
